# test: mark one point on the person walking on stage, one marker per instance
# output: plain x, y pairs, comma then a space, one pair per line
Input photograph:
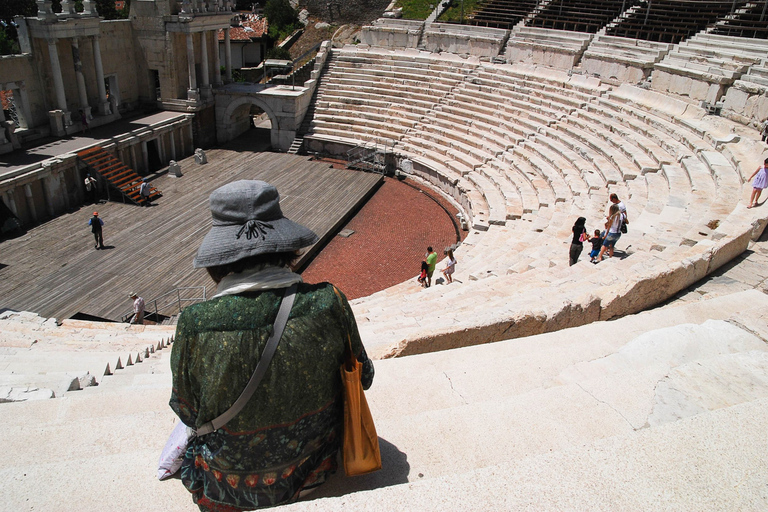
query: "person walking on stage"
91, 187
138, 309
96, 224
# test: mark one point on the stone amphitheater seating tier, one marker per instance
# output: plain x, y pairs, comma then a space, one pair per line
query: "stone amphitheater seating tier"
704, 66
622, 59
523, 151
392, 33
41, 359
458, 39
623, 409
559, 49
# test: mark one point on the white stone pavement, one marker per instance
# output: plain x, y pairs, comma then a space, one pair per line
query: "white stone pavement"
664, 410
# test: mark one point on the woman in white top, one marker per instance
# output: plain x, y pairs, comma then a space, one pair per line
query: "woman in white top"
450, 265
612, 231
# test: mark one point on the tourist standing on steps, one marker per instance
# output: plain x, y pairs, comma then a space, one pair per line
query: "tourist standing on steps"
764, 129
144, 191
612, 231
286, 439
761, 182
91, 186
623, 209
96, 224
450, 265
138, 309
431, 264
579, 237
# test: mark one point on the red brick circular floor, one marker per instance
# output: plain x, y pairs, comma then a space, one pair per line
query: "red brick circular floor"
391, 234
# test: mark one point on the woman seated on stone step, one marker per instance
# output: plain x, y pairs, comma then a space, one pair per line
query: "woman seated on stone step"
286, 438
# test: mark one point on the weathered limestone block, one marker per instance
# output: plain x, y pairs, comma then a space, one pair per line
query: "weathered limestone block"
174, 169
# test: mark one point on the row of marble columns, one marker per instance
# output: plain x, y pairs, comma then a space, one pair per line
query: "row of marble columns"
58, 81
166, 147
51, 183
205, 87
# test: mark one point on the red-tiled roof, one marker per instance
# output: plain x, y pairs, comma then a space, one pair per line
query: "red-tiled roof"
253, 27
5, 99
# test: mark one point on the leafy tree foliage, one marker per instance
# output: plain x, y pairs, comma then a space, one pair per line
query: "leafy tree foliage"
283, 19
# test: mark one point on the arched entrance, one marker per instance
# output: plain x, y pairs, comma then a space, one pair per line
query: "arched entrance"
243, 114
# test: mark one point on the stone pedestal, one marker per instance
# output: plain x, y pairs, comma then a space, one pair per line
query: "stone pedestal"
174, 169
59, 120
193, 95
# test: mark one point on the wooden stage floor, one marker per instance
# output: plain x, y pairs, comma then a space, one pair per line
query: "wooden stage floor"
54, 271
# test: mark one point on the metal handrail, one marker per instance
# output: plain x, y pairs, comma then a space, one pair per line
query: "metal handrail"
178, 301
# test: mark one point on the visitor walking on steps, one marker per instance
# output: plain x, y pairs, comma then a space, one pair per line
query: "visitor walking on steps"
764, 129
761, 182
596, 242
623, 209
145, 191
612, 231
431, 264
286, 438
422, 279
450, 265
577, 243
96, 227
138, 309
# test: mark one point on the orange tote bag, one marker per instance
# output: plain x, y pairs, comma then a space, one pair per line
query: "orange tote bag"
361, 443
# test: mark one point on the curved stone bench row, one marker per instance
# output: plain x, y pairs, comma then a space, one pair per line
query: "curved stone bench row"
38, 354
570, 142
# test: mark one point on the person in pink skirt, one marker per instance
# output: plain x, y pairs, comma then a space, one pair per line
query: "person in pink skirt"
761, 182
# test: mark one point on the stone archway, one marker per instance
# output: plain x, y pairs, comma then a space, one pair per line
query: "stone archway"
232, 119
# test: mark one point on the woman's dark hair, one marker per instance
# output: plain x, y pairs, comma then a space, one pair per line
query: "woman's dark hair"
424, 265
580, 222
275, 259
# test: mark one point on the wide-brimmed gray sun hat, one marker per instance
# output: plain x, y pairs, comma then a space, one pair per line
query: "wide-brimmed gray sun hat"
247, 221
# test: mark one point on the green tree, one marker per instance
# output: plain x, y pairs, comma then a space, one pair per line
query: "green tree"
283, 19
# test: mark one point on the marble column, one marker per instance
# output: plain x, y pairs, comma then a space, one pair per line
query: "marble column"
216, 59
161, 148
173, 146
227, 54
205, 86
145, 155
30, 202
103, 103
134, 163
48, 184
191, 139
11, 201
80, 79
58, 81
192, 91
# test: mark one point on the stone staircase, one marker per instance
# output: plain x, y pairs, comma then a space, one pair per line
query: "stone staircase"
609, 415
